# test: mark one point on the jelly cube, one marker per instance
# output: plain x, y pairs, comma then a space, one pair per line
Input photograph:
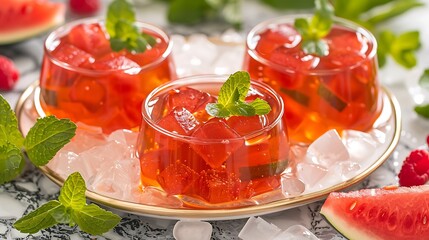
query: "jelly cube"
293, 58
177, 178
186, 97
180, 121
72, 55
217, 186
216, 153
90, 38
114, 61
281, 35
245, 125
90, 92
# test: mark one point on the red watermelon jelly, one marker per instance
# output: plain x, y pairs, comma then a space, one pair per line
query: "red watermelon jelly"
338, 91
83, 79
206, 160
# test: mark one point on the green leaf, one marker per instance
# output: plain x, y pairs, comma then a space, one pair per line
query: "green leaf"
46, 137
95, 220
261, 107
422, 110
44, 217
72, 194
287, 5
424, 79
11, 162
312, 31
235, 88
391, 10
231, 100
187, 12
9, 131
123, 33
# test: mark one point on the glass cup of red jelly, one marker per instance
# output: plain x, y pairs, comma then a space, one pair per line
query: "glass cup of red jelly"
338, 91
84, 80
205, 160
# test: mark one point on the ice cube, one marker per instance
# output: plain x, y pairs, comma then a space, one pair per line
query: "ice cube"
291, 186
310, 173
190, 230
296, 232
156, 197
226, 63
257, 228
327, 149
118, 180
360, 145
345, 170
123, 136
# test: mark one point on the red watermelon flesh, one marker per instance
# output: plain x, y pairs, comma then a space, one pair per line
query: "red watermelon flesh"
386, 213
20, 19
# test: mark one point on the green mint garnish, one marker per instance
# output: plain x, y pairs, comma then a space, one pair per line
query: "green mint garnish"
231, 100
423, 110
11, 162
9, 131
313, 30
401, 47
46, 137
71, 208
123, 33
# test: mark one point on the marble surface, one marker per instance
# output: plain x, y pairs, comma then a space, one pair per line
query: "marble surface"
33, 189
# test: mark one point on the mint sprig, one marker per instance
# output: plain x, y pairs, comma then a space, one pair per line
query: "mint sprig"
123, 33
70, 208
231, 100
313, 30
42, 142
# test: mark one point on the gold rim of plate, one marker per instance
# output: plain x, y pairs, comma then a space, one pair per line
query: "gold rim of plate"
234, 213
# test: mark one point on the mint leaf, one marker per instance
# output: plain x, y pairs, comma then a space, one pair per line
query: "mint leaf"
9, 131
11, 162
313, 30
422, 110
123, 33
72, 194
95, 220
424, 79
391, 10
231, 100
46, 137
44, 217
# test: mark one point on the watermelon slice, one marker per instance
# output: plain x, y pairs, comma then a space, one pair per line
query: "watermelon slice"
21, 19
385, 213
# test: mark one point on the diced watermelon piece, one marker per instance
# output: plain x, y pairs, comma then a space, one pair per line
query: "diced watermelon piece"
179, 120
276, 36
20, 19
216, 153
90, 92
177, 178
217, 186
293, 58
114, 61
188, 98
245, 125
72, 55
90, 38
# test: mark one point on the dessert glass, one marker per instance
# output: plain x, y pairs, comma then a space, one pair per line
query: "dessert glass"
84, 80
339, 91
207, 161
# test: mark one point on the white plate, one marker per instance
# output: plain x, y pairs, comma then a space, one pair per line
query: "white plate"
390, 125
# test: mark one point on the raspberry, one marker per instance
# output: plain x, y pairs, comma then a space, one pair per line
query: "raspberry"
84, 6
8, 74
415, 169
427, 141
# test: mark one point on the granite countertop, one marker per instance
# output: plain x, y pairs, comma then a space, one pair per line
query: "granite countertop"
33, 189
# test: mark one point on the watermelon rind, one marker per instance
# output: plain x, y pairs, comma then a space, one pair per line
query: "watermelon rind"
24, 33
342, 226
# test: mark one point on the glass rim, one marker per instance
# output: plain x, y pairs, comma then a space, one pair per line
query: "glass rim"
288, 19
58, 32
209, 78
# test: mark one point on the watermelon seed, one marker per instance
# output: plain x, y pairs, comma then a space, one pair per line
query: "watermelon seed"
425, 220
353, 205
